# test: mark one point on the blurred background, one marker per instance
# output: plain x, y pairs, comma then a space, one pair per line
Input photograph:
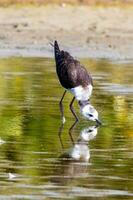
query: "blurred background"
89, 2
95, 28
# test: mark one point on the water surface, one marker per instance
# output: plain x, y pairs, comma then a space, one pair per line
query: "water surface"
34, 161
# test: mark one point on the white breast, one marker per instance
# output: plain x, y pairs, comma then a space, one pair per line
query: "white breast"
81, 93
80, 152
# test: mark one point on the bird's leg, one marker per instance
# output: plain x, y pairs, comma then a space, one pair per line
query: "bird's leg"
70, 130
61, 107
72, 110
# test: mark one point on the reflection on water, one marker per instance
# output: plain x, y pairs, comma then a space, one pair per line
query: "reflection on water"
80, 150
96, 166
74, 162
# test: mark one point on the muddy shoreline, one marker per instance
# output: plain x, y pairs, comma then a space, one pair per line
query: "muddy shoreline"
89, 32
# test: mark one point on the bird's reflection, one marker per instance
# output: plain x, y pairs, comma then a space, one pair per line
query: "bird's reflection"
74, 162
70, 132
80, 149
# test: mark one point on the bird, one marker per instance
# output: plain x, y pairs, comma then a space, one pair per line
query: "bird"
77, 80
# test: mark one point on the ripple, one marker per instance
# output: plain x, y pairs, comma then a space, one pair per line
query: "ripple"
85, 192
117, 88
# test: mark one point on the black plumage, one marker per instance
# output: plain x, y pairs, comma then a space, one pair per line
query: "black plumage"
70, 72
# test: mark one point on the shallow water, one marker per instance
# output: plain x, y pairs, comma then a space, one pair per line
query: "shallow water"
34, 161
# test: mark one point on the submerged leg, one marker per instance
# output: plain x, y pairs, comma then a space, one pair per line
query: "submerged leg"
61, 107
72, 110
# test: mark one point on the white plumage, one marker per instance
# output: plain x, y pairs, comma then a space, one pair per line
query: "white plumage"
82, 93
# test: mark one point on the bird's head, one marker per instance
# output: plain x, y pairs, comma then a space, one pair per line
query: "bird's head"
88, 111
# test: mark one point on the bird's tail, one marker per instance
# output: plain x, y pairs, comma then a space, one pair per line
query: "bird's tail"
56, 49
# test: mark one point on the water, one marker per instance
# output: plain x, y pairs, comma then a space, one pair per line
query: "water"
35, 163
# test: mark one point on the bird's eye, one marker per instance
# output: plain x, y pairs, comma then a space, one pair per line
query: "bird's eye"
90, 115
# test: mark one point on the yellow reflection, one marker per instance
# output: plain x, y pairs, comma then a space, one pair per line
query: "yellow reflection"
11, 126
120, 108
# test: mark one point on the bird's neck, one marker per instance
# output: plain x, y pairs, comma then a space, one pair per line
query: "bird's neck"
83, 103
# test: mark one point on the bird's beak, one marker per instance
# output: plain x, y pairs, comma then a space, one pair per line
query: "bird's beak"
98, 122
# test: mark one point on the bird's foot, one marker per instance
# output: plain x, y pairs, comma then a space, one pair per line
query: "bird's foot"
63, 120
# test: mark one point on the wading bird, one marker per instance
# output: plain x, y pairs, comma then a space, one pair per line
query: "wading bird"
75, 79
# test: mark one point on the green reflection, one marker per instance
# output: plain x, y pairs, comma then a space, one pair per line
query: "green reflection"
30, 120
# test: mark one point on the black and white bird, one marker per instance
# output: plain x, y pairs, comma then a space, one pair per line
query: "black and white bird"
75, 79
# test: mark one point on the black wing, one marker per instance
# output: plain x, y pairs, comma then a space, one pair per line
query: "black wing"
70, 72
